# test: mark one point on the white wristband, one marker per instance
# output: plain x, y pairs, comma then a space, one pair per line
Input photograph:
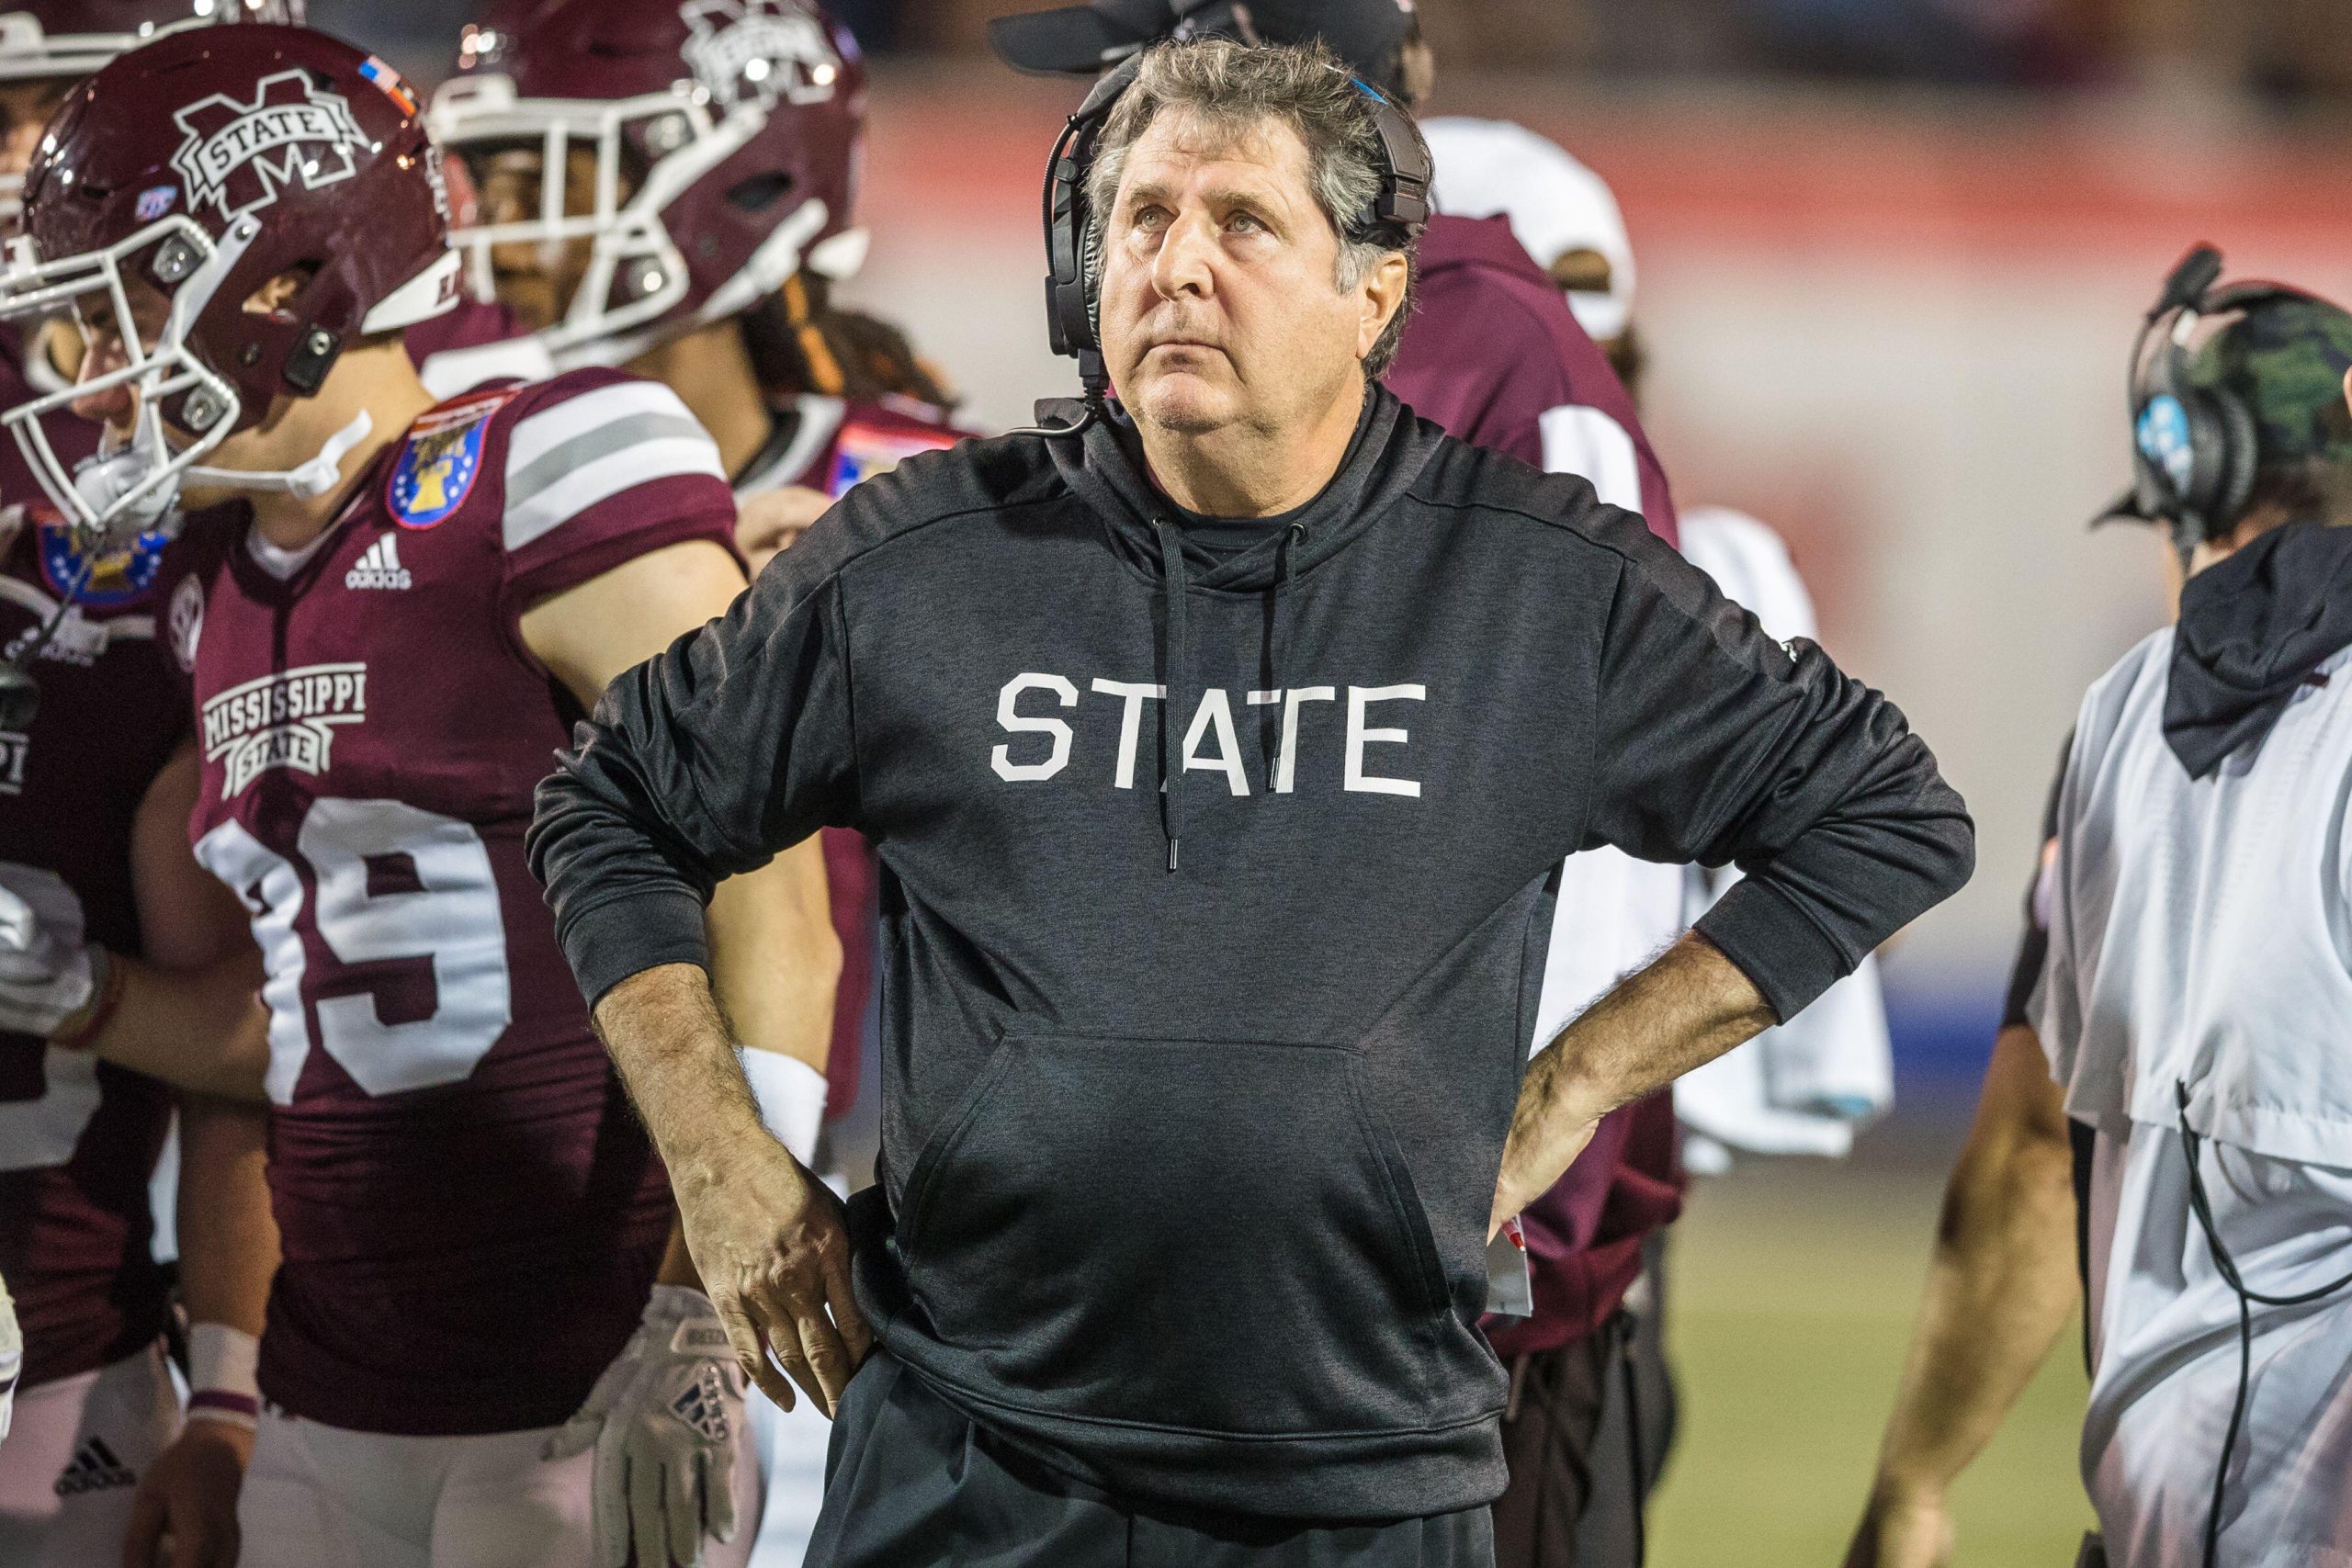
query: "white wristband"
222, 1387
792, 1099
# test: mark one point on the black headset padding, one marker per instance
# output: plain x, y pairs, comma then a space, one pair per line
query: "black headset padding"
1403, 204
1069, 306
2240, 448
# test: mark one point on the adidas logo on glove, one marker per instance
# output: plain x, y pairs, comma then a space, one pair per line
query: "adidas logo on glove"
380, 568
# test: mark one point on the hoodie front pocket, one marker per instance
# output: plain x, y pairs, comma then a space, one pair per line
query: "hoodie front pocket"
1204, 1234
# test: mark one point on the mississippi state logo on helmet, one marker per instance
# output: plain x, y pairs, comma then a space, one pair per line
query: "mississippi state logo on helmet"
733, 165
757, 49
238, 155
196, 169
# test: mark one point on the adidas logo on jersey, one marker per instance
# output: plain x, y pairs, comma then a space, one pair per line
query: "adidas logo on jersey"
93, 1468
380, 568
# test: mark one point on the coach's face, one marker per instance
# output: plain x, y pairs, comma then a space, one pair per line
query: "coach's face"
1220, 296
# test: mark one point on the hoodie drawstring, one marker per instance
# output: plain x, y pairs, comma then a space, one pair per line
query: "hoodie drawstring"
1277, 643
1174, 585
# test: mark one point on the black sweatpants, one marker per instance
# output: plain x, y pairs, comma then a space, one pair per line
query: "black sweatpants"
1586, 1435
912, 1482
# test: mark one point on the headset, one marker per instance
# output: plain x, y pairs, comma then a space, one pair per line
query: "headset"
1394, 216
2193, 448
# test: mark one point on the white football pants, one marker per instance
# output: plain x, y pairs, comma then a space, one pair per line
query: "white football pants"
320, 1497
74, 1458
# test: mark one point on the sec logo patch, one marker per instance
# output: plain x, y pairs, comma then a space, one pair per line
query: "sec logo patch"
119, 575
441, 459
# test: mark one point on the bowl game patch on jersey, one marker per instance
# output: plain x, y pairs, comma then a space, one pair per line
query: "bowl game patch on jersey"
442, 457
116, 577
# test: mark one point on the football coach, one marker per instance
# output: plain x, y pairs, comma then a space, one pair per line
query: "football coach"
1221, 751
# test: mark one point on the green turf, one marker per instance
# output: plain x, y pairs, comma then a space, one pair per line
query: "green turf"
1793, 1286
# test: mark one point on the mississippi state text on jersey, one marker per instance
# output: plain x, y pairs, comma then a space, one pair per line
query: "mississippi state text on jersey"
470, 1214
78, 1138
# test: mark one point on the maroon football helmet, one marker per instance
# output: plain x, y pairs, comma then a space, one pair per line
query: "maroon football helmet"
207, 162
67, 39
73, 38
732, 124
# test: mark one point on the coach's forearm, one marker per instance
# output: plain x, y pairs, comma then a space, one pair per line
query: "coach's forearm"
1687, 1007
2001, 1284
675, 1053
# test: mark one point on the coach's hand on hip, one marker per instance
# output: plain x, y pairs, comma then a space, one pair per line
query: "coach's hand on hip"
767, 1236
1689, 1006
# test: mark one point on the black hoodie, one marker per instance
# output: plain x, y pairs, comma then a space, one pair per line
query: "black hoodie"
1192, 1103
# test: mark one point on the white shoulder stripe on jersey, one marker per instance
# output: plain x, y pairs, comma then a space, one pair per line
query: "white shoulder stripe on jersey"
542, 431
580, 488
565, 458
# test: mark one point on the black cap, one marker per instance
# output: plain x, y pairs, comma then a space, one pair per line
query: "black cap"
1083, 39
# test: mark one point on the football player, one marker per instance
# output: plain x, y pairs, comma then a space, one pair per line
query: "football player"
96, 784
700, 240
47, 46
701, 223
391, 609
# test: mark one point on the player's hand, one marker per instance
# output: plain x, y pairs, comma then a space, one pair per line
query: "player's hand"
768, 1239
1902, 1530
43, 982
185, 1515
12, 1357
767, 523
665, 1420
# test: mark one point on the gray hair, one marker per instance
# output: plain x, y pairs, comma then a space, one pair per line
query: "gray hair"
1234, 87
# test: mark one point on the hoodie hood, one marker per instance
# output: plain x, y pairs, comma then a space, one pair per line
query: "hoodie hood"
1105, 469
2253, 628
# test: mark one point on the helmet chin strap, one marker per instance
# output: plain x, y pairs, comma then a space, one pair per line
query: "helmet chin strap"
316, 477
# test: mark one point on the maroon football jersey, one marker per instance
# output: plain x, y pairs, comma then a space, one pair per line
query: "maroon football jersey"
78, 1138
469, 1212
829, 445
1494, 354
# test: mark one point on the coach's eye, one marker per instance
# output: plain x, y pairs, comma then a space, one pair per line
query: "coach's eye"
1247, 223
1151, 219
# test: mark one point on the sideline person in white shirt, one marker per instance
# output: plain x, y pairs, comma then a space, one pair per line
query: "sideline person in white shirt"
2193, 1005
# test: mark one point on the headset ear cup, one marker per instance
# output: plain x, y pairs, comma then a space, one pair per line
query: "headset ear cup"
2236, 453
2208, 457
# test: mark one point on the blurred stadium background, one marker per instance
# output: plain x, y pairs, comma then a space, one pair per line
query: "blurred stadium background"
1891, 256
